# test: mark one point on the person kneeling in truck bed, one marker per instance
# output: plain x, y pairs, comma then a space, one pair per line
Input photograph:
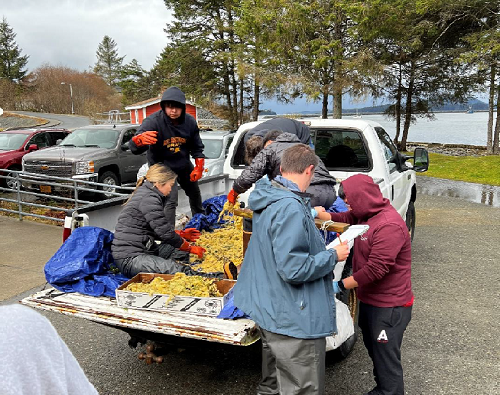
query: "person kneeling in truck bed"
143, 221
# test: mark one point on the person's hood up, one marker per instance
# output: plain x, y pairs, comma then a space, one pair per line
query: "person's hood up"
266, 194
174, 94
364, 196
287, 138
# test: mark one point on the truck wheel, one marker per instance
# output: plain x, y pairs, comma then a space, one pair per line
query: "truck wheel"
411, 217
110, 178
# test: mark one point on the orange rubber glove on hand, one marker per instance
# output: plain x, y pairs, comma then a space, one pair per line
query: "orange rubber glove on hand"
232, 196
192, 249
190, 234
198, 169
146, 138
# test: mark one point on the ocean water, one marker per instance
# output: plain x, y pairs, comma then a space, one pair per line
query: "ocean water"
446, 128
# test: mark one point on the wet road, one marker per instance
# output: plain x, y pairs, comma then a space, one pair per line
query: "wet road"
451, 346
65, 121
477, 193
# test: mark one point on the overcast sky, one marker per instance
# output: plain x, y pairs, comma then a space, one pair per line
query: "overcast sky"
68, 32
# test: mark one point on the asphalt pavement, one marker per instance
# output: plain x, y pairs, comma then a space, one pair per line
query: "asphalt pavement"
62, 120
452, 345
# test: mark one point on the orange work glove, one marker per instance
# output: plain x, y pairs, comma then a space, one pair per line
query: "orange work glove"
192, 249
146, 138
190, 234
232, 196
198, 169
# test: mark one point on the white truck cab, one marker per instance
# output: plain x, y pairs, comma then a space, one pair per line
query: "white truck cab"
349, 147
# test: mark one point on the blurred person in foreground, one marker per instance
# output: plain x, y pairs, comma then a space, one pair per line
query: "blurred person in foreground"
382, 275
286, 279
34, 359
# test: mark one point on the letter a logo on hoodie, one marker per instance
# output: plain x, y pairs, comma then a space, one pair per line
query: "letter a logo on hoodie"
382, 337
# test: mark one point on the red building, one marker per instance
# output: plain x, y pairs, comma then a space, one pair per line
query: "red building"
143, 109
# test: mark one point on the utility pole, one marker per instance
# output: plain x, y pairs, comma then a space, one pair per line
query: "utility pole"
71, 95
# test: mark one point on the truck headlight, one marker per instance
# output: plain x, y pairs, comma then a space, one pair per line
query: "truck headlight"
84, 167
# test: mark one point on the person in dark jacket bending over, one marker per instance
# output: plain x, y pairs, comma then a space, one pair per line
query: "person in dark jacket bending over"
267, 162
382, 275
171, 136
286, 280
143, 220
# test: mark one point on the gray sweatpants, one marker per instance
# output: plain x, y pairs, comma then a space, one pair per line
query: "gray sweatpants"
292, 366
166, 262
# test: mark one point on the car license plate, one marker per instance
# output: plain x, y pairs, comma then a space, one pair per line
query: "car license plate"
45, 188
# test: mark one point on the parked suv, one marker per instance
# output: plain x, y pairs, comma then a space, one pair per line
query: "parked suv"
14, 144
97, 153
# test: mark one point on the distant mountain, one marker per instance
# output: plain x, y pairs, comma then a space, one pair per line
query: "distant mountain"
474, 104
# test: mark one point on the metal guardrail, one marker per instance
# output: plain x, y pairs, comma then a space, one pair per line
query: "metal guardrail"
70, 191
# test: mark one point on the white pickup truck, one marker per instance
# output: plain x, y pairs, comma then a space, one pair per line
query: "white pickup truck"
346, 147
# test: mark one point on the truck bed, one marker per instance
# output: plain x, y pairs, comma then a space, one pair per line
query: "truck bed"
104, 310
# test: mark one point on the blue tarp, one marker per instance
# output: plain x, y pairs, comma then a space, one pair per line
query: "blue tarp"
209, 220
82, 264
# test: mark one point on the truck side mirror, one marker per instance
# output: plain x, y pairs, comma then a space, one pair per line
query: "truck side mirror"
125, 147
420, 160
32, 147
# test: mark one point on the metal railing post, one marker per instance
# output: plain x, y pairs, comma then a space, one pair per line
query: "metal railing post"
18, 188
75, 183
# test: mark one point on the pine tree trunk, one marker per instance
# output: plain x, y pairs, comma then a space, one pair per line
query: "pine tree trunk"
324, 107
490, 148
241, 102
337, 101
496, 134
256, 99
409, 97
397, 110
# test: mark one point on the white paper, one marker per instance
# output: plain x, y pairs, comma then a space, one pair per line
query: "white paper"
350, 234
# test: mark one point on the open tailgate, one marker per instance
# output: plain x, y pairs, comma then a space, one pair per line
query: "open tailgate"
104, 310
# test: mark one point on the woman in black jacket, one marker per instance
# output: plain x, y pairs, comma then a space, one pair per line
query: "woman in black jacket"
143, 221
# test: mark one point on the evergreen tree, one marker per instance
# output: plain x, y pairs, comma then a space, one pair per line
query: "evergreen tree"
12, 64
109, 64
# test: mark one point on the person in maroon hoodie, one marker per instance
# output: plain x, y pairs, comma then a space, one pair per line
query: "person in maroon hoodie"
382, 275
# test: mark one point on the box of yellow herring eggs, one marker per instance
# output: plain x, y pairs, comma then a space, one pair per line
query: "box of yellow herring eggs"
175, 293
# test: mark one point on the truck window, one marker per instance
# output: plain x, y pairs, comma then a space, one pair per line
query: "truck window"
238, 161
341, 149
127, 136
388, 147
40, 139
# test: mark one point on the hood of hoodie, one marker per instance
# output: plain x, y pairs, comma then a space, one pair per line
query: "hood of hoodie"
174, 94
266, 194
364, 196
287, 138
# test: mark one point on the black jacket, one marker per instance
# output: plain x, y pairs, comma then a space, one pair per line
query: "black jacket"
141, 222
175, 142
286, 125
267, 162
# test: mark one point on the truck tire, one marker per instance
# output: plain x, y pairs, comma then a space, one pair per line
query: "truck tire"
110, 178
411, 217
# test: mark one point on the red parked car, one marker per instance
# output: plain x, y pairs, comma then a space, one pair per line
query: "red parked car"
14, 144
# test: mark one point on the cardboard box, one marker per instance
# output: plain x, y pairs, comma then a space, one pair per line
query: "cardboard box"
184, 304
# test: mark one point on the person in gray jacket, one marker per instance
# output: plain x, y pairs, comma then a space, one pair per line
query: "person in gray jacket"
286, 280
267, 162
142, 221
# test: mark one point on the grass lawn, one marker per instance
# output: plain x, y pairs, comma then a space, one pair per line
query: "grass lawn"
478, 169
